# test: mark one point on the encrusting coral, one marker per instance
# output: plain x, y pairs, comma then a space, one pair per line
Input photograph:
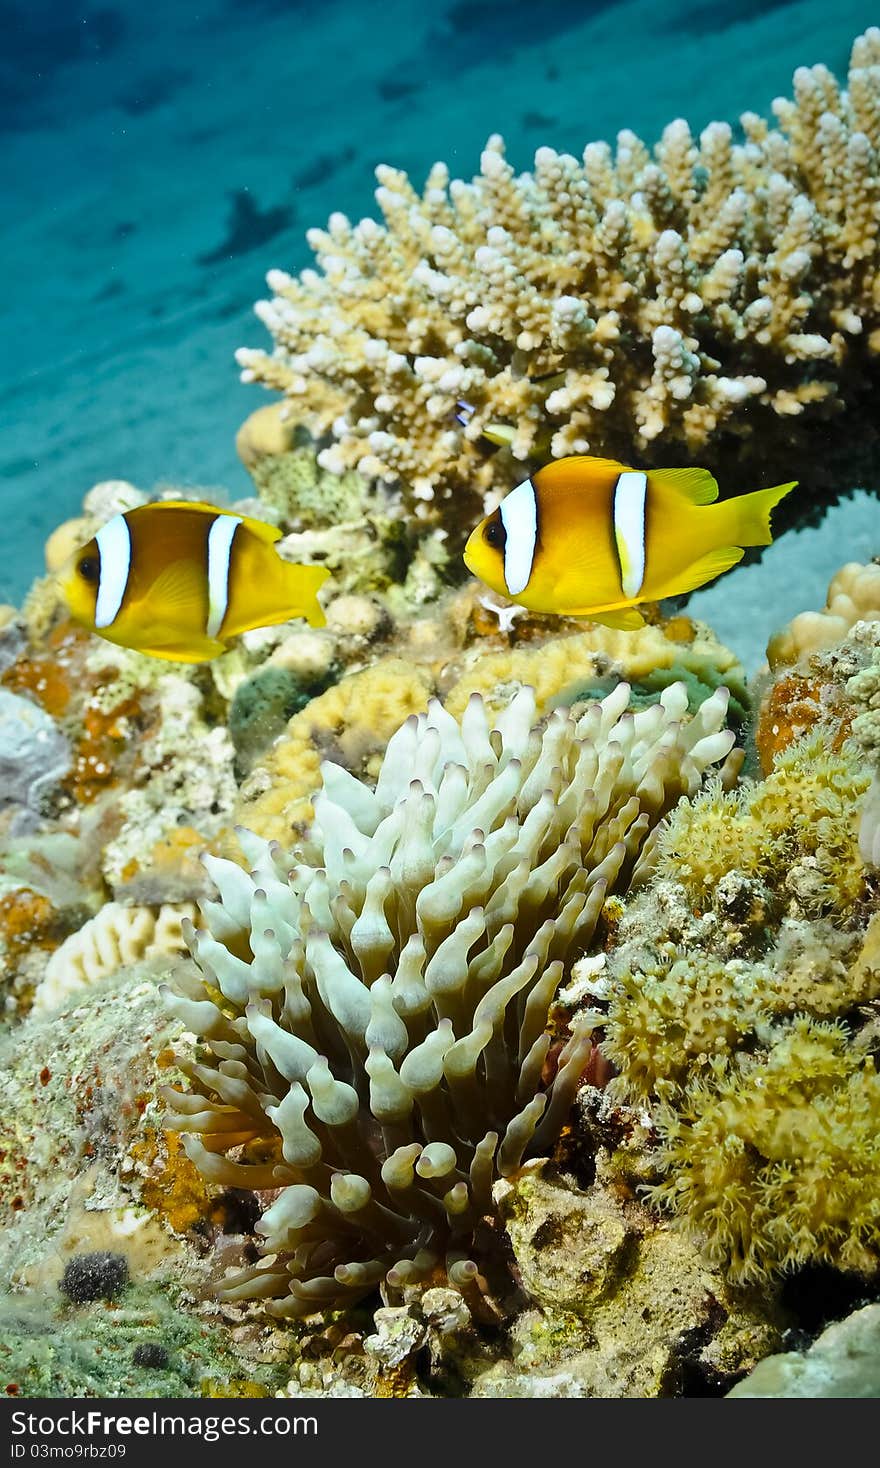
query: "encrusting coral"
624, 302
375, 1019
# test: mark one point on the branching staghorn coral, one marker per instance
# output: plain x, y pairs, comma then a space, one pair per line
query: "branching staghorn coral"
375, 1019
596, 304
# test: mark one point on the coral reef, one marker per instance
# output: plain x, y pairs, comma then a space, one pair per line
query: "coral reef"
341, 520
796, 831
627, 1308
375, 1020
452, 659
352, 723
148, 1343
34, 756
740, 1017
703, 298
77, 1089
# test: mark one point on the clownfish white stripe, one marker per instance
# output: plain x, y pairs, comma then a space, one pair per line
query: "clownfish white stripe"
220, 538
114, 548
519, 516
630, 494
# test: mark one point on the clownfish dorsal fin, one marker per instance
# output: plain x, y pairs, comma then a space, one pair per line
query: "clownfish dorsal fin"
180, 587
587, 462
697, 486
268, 533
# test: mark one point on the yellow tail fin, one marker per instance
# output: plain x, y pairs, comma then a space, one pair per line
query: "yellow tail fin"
302, 585
750, 514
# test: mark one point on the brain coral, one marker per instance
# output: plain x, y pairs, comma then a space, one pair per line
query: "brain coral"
375, 1018
114, 938
596, 303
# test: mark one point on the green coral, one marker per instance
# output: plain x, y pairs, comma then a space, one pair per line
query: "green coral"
294, 485
740, 1023
699, 673
60, 1350
797, 831
262, 707
776, 1159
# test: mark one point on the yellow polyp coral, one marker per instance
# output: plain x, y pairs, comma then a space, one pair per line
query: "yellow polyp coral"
776, 1160
853, 596
593, 303
797, 830
741, 992
672, 1022
664, 1025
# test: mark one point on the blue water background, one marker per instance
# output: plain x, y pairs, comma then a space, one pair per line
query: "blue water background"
156, 160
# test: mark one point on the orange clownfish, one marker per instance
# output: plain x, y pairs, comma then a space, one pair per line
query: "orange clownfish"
593, 538
178, 579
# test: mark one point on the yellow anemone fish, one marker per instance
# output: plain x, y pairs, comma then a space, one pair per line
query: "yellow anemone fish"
178, 579
588, 537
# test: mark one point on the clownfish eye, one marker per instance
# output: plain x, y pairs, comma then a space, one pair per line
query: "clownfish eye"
495, 533
90, 569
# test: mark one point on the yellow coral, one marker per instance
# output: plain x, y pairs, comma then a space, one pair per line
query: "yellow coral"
853, 596
672, 1023
757, 1072
594, 303
797, 830
776, 1161
557, 667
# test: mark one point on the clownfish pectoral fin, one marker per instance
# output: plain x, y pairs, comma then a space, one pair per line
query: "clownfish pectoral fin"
627, 619
705, 569
178, 590
694, 485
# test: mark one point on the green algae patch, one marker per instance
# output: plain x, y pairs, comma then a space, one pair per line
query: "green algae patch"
52, 1349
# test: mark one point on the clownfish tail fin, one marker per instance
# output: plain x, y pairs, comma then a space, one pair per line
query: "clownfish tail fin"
751, 514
